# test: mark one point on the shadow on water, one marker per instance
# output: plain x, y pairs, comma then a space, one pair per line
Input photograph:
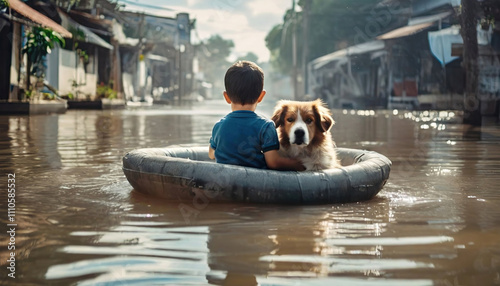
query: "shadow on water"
79, 222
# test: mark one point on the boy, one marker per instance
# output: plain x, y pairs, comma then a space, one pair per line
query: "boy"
242, 137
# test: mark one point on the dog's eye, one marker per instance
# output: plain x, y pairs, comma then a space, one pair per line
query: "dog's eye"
308, 121
290, 119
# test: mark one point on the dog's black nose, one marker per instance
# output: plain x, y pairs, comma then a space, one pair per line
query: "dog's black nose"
299, 133
299, 136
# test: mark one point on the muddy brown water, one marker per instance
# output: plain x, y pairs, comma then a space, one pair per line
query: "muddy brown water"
436, 222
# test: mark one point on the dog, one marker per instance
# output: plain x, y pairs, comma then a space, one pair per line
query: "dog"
304, 133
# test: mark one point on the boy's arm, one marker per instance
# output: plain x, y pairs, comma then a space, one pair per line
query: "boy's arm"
211, 153
276, 162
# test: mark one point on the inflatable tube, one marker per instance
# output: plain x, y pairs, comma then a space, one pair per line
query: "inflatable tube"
188, 174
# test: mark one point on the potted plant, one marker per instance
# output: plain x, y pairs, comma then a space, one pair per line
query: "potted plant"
106, 91
40, 42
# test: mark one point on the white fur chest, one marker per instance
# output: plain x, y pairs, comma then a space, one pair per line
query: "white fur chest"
319, 158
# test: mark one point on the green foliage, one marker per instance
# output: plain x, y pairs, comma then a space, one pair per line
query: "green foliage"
219, 48
249, 57
74, 84
48, 96
40, 42
106, 91
29, 93
4, 4
79, 35
83, 54
213, 59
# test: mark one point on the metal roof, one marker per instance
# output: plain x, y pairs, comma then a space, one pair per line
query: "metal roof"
90, 37
37, 17
367, 47
414, 26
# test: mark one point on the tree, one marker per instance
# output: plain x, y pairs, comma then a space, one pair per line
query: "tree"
213, 61
4, 4
249, 57
279, 43
472, 103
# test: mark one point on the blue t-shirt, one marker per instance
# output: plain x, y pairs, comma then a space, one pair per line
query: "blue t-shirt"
242, 137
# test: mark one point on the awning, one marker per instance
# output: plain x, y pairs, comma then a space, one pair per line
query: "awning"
414, 26
367, 47
441, 42
404, 31
157, 58
37, 17
90, 37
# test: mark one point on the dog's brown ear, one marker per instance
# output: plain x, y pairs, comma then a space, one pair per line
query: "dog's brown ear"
322, 117
279, 114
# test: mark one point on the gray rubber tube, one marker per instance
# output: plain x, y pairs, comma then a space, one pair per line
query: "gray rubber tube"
188, 173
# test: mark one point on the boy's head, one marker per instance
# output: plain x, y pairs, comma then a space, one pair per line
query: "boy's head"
244, 82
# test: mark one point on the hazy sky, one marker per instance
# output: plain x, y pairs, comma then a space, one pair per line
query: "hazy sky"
246, 22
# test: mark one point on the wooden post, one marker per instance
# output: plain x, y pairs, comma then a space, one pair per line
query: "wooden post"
28, 77
116, 69
6, 36
472, 102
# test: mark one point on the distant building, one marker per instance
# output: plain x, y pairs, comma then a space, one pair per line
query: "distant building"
351, 77
159, 65
417, 66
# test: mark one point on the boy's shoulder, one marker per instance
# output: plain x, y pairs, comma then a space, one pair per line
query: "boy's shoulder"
253, 118
250, 118
244, 114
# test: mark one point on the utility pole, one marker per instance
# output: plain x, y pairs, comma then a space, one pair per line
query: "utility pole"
182, 77
472, 102
305, 43
294, 55
140, 58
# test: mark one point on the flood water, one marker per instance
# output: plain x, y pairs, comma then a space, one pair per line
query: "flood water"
436, 222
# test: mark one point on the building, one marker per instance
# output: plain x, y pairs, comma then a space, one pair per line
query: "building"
156, 56
416, 66
13, 23
351, 77
139, 56
414, 74
77, 69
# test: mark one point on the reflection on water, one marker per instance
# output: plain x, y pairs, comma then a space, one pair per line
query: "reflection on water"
437, 221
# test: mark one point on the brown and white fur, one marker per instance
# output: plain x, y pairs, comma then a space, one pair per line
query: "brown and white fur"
304, 133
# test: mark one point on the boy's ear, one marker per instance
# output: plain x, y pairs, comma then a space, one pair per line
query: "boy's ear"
261, 96
226, 97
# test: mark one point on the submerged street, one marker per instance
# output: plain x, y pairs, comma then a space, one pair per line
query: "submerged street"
436, 222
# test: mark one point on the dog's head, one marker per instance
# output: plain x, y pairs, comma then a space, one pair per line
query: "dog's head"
302, 123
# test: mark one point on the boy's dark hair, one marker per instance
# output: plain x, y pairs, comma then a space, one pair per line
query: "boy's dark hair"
244, 82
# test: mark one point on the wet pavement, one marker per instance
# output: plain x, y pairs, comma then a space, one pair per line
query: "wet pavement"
436, 222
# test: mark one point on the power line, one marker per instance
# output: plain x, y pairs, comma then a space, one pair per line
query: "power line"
145, 5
